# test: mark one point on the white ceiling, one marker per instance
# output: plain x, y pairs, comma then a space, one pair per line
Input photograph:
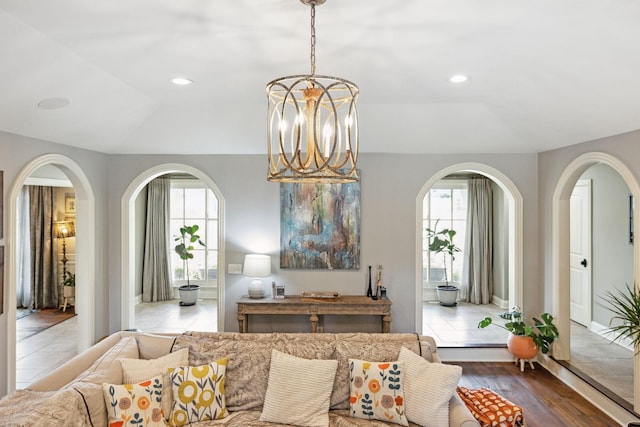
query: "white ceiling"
544, 73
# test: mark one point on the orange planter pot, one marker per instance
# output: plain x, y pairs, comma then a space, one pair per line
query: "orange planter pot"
522, 347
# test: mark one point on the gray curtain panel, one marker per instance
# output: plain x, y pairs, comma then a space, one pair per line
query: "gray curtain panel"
44, 266
478, 266
23, 288
156, 276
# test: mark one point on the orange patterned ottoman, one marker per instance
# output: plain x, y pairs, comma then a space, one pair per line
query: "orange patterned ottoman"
491, 409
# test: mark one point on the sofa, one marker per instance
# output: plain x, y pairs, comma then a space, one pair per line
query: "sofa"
233, 379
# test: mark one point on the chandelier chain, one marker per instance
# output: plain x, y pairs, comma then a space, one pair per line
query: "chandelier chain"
313, 39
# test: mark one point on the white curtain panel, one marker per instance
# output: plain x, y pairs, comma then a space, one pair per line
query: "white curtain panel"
156, 276
477, 272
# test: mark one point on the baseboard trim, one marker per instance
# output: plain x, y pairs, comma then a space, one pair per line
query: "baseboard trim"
503, 304
603, 331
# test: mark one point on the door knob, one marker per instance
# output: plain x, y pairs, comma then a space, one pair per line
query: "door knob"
583, 263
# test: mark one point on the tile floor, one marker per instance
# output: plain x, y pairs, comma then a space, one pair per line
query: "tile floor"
609, 364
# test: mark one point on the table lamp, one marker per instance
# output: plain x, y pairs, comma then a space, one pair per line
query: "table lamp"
258, 267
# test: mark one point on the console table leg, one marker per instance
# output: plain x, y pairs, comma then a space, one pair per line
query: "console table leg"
314, 323
242, 323
386, 324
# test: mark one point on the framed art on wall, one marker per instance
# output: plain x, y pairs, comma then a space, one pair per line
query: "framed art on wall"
70, 205
320, 226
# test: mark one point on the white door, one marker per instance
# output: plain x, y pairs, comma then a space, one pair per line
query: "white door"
580, 253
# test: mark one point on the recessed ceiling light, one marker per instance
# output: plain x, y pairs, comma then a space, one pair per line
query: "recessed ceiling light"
181, 81
458, 78
53, 103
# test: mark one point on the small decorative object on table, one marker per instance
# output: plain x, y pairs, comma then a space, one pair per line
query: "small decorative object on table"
279, 292
369, 290
320, 295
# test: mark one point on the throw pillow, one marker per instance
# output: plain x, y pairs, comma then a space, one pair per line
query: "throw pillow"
428, 387
136, 405
198, 393
136, 370
299, 390
376, 391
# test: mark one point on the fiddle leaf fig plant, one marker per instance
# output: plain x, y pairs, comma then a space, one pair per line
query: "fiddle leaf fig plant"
184, 249
543, 332
442, 242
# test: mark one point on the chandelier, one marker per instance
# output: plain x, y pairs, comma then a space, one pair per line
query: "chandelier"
312, 125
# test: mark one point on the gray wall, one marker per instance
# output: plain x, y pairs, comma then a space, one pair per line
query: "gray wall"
141, 210
625, 147
612, 255
389, 187
15, 153
500, 244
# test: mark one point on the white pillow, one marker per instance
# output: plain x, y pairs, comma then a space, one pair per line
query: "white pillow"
428, 387
137, 370
299, 390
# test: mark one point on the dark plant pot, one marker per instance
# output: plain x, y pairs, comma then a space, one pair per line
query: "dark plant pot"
189, 294
447, 295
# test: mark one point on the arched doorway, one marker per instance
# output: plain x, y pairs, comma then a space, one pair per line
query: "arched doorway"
85, 244
560, 262
129, 238
515, 221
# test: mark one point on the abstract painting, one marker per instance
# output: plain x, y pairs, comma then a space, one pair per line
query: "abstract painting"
320, 226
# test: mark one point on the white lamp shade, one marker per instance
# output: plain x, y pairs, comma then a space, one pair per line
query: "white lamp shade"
257, 265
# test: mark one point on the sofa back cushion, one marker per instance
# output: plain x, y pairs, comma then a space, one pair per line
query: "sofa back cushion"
106, 369
249, 358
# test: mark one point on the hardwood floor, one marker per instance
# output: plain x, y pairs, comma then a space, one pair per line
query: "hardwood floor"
545, 399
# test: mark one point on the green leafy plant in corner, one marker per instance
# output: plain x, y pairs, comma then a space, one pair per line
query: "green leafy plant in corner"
543, 332
442, 242
69, 280
188, 236
625, 306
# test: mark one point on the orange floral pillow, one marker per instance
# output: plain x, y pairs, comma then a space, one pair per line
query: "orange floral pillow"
376, 391
137, 405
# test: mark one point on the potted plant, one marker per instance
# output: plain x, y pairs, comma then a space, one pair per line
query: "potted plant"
188, 236
625, 323
69, 285
524, 340
442, 242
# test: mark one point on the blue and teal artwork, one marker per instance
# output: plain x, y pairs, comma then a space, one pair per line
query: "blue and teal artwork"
320, 226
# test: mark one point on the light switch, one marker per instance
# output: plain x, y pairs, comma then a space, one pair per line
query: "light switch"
235, 268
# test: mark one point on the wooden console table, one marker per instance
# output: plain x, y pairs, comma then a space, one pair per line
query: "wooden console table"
292, 304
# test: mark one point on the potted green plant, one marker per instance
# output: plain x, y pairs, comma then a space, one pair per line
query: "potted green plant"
69, 285
442, 242
524, 340
625, 323
188, 236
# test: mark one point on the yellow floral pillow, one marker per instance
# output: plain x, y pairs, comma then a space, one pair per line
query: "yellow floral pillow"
376, 391
198, 393
138, 405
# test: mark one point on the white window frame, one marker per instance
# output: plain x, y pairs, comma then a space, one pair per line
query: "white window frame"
444, 184
181, 183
